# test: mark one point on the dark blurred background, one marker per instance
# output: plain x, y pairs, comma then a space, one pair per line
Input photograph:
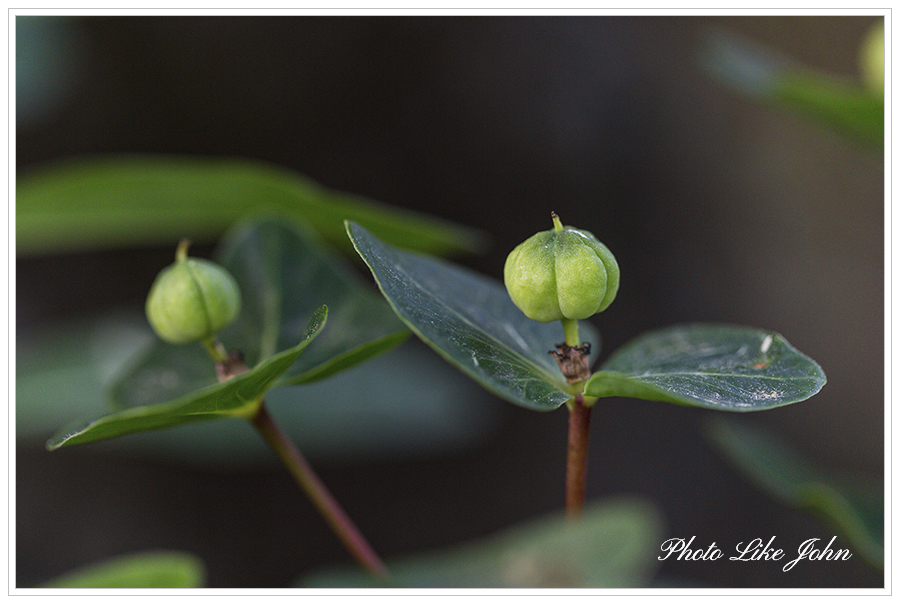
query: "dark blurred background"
717, 208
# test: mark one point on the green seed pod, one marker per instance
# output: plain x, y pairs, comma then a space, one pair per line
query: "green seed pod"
563, 273
192, 299
871, 58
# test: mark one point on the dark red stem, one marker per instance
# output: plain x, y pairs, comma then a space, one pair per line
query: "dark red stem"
576, 462
327, 505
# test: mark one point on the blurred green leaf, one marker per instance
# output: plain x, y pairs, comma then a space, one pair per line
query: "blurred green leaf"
848, 108
97, 202
613, 545
284, 273
471, 321
152, 570
64, 373
50, 56
722, 367
236, 397
854, 506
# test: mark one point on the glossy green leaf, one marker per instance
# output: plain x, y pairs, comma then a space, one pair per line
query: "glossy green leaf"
471, 321
723, 367
284, 273
152, 570
854, 505
237, 397
126, 200
614, 545
846, 107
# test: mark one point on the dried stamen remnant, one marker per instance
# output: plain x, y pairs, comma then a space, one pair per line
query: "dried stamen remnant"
232, 366
573, 361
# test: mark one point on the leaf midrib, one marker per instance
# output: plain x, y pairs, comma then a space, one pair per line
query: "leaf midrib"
701, 373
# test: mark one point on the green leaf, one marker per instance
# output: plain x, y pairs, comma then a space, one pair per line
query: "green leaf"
854, 506
723, 367
284, 273
846, 107
129, 200
64, 372
152, 570
471, 321
238, 397
613, 545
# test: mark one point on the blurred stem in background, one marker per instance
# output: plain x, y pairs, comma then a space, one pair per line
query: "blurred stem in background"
854, 110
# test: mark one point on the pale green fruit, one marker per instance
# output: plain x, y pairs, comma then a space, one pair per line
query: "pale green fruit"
871, 58
192, 299
563, 273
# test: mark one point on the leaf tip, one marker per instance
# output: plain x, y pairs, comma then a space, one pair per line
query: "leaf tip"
316, 323
55, 442
351, 227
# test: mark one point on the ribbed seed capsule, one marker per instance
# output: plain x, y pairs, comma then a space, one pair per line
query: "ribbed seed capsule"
192, 299
563, 273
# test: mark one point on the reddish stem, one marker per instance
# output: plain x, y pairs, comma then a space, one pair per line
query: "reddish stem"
317, 491
576, 462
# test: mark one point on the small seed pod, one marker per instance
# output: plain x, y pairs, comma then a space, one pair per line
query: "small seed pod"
192, 299
871, 58
563, 273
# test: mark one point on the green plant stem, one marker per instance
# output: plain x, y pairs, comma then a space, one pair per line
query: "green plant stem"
570, 328
215, 349
303, 473
576, 461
